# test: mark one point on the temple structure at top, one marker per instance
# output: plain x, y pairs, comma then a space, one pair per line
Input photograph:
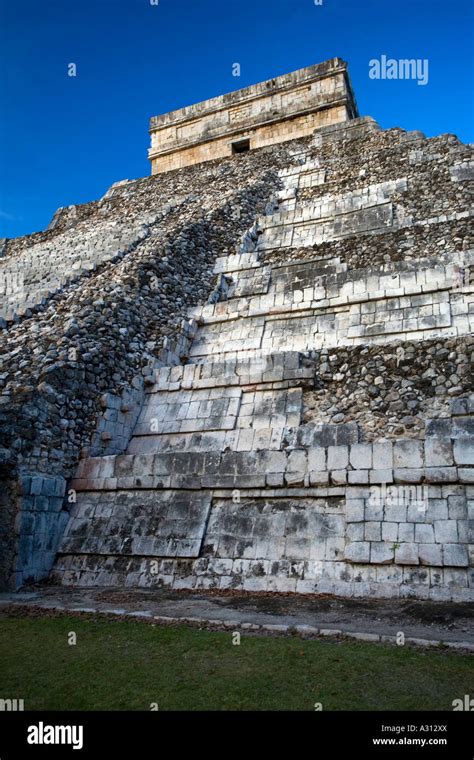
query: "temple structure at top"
285, 108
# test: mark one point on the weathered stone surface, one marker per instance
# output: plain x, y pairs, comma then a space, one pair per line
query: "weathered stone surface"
358, 552
455, 555
439, 452
407, 554
381, 553
408, 454
464, 451
430, 554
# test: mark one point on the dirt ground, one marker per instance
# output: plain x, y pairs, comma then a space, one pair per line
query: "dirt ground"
434, 621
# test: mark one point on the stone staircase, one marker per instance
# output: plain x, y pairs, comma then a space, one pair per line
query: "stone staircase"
223, 483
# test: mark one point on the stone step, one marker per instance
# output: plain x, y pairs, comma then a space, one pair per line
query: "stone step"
198, 411
46, 268
366, 306
183, 470
323, 514
305, 284
313, 435
239, 439
248, 290
311, 328
258, 370
236, 262
324, 455
330, 206
374, 219
321, 292
309, 165
298, 180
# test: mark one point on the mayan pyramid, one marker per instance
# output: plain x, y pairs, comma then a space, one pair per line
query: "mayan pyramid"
252, 369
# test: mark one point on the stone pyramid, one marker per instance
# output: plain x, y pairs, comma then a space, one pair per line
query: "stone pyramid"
307, 423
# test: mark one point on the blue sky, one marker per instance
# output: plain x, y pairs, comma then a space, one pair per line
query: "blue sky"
66, 139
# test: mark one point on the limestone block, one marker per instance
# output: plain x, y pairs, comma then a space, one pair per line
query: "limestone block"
338, 477
317, 459
273, 461
36, 485
407, 554
401, 475
294, 479
381, 476
416, 511
335, 548
338, 457
446, 531
318, 478
455, 578
464, 451
355, 531
49, 487
462, 406
373, 531
424, 533
470, 509
355, 510
438, 452
465, 531
408, 454
358, 477
430, 554
466, 474
455, 555
374, 505
123, 466
389, 532
246, 439
457, 507
297, 461
441, 474
381, 553
437, 509
274, 479
361, 456
395, 512
358, 551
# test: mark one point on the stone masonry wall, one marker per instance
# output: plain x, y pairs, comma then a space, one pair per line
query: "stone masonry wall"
315, 519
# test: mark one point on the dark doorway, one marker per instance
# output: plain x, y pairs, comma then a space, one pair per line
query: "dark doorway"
243, 146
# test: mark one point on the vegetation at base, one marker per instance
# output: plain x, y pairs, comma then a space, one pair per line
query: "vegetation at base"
126, 665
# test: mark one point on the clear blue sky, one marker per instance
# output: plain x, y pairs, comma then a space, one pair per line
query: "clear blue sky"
65, 140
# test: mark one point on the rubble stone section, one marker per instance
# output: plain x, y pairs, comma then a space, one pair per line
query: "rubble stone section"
285, 108
268, 496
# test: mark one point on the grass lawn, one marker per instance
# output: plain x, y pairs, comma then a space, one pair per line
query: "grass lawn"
121, 665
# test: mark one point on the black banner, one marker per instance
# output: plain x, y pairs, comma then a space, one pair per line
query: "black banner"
89, 734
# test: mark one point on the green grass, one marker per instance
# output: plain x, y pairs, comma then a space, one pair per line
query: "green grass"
119, 665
